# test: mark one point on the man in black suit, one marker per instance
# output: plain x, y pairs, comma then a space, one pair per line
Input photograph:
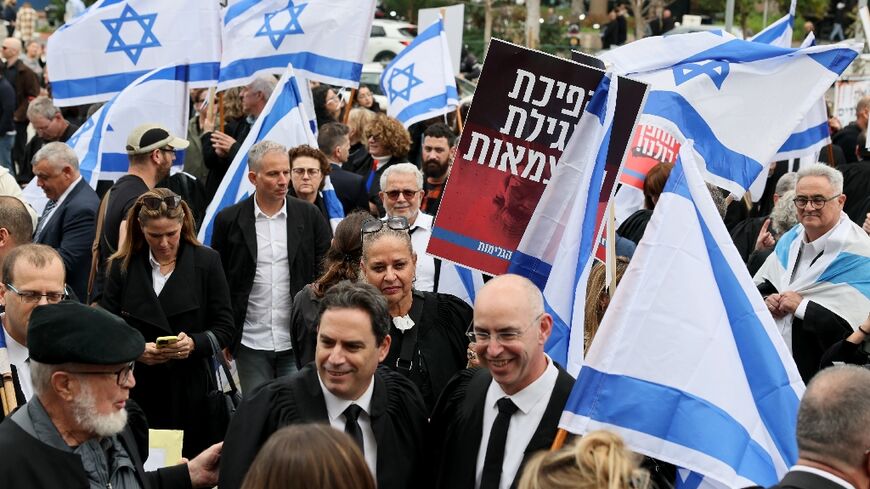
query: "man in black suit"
380, 409
482, 432
271, 247
50, 125
833, 432
68, 222
334, 142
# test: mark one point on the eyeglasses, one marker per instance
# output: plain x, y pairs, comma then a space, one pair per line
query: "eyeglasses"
817, 202
121, 376
312, 172
153, 203
33, 297
502, 337
408, 194
397, 223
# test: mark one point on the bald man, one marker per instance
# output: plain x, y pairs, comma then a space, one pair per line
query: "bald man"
26, 85
488, 420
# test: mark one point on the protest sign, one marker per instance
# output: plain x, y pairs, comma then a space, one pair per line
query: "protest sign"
525, 109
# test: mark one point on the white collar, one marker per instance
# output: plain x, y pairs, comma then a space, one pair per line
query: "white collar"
423, 221
533, 393
335, 406
821, 473
818, 244
68, 190
18, 353
259, 212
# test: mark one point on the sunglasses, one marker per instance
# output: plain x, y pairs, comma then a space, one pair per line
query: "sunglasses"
408, 194
395, 223
153, 203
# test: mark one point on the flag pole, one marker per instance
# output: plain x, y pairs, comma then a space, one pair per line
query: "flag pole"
221, 109
559, 440
346, 116
610, 263
443, 12
9, 402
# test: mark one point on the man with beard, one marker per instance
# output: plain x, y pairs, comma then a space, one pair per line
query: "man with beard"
438, 151
80, 431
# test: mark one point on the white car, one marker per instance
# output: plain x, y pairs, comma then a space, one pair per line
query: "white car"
388, 38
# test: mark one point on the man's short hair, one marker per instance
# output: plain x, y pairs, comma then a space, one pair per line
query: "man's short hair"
785, 183
833, 420
402, 168
43, 107
38, 255
16, 219
260, 150
331, 135
263, 84
58, 155
440, 130
862, 104
362, 296
821, 170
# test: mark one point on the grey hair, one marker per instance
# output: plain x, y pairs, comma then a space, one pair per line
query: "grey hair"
833, 422
41, 106
263, 84
40, 376
260, 150
404, 168
821, 170
58, 155
363, 296
370, 239
784, 214
785, 183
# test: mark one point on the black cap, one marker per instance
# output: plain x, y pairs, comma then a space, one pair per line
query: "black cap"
71, 332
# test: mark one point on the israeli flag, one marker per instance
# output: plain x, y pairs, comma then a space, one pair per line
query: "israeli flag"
780, 32
688, 366
324, 40
284, 121
557, 249
99, 53
419, 82
738, 101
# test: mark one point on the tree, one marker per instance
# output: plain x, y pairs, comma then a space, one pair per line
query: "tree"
533, 23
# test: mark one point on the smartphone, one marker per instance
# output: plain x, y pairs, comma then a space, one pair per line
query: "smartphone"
165, 341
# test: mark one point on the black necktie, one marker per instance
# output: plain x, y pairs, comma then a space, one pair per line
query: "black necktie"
351, 427
45, 212
495, 447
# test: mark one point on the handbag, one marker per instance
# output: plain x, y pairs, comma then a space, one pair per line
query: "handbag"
222, 399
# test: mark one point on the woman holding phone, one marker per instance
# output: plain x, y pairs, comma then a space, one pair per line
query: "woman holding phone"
164, 283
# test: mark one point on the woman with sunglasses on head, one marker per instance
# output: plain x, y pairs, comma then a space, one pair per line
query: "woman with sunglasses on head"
308, 170
428, 331
163, 282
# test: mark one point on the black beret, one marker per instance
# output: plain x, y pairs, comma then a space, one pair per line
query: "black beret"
71, 332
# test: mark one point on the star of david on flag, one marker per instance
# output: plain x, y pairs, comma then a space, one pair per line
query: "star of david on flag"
276, 36
419, 82
716, 70
96, 55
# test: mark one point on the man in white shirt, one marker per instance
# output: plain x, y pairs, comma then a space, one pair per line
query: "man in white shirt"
487, 421
32, 275
833, 432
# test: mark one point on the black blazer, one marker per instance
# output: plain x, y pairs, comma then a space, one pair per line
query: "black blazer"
350, 189
456, 428
797, 479
235, 238
71, 232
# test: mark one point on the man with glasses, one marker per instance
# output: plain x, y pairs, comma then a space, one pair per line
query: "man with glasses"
32, 275
813, 283
271, 246
68, 221
50, 125
487, 421
80, 429
151, 150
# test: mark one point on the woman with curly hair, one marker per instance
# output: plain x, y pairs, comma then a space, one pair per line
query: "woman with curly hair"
389, 144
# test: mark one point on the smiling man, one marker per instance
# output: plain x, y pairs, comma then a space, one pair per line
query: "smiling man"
487, 421
812, 282
380, 409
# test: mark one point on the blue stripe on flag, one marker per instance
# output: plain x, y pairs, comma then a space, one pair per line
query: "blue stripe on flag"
850, 269
238, 9
691, 482
719, 159
433, 30
331, 67
334, 209
775, 31
89, 162
531, 267
806, 138
784, 246
835, 60
64, 89
427, 105
613, 399
560, 336
471, 244
467, 279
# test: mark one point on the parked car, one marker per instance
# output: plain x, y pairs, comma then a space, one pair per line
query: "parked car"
388, 38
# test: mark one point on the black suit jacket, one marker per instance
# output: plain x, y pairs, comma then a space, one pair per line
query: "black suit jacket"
350, 189
235, 238
397, 419
71, 232
456, 428
797, 479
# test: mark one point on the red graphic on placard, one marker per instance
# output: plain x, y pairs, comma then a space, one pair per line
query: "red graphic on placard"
651, 145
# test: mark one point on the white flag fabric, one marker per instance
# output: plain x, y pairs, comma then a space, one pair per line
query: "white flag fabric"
419, 82
688, 366
557, 249
284, 121
780, 32
99, 53
324, 40
714, 90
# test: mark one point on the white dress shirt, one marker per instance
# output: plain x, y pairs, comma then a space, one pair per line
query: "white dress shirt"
532, 402
808, 254
335, 409
60, 200
267, 321
158, 280
421, 231
19, 356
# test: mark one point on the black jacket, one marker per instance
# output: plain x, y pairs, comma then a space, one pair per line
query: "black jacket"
217, 166
797, 479
350, 189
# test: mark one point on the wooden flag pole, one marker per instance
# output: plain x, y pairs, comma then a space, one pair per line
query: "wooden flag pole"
559, 441
346, 116
459, 119
831, 159
9, 401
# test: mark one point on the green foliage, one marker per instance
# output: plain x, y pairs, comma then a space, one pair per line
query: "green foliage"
407, 9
